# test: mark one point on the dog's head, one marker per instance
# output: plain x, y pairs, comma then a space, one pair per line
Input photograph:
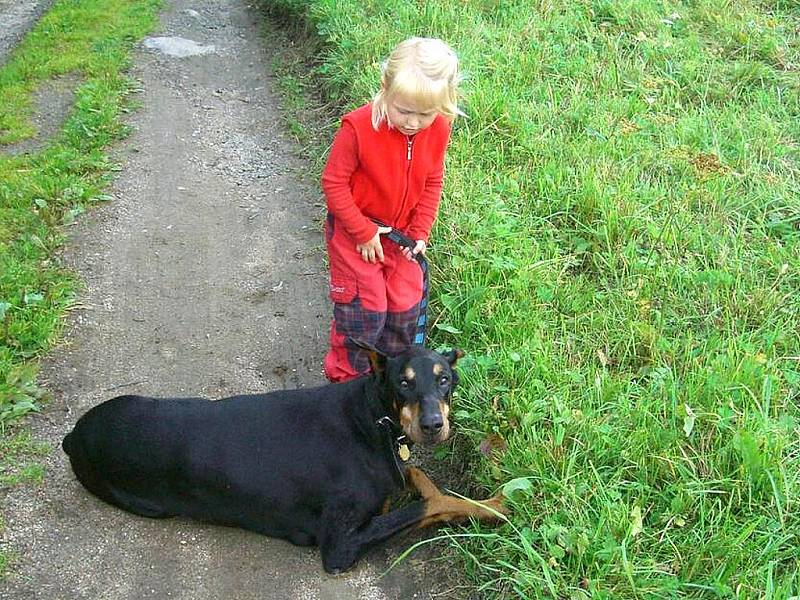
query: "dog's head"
417, 386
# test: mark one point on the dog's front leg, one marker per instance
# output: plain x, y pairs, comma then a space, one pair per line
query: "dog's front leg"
346, 536
420, 482
440, 508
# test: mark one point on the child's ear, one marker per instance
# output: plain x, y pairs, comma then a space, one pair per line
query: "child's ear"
377, 359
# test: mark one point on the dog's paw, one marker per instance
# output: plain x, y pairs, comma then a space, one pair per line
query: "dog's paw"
497, 503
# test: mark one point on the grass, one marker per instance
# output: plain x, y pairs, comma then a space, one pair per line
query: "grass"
43, 190
617, 250
19, 465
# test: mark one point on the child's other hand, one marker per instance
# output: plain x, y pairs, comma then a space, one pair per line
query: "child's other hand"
372, 251
410, 253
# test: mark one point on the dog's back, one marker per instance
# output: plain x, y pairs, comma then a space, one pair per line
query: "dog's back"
232, 461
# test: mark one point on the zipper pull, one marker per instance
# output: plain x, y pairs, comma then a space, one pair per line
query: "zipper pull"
408, 146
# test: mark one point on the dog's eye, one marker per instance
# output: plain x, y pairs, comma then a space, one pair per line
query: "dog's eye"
404, 384
444, 380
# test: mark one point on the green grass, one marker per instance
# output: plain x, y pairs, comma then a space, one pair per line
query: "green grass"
6, 558
617, 251
19, 456
18, 465
42, 191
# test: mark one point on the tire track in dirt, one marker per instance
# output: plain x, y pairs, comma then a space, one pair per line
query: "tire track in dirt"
17, 18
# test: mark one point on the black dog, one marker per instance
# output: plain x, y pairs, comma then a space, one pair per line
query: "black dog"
313, 466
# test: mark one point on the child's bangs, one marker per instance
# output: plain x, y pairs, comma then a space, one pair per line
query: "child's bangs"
426, 93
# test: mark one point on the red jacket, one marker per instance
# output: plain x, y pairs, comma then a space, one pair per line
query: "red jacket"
385, 175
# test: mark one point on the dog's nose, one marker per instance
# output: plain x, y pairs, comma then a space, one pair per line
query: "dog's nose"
432, 425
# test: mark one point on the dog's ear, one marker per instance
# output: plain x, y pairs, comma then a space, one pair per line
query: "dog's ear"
377, 359
453, 356
378, 362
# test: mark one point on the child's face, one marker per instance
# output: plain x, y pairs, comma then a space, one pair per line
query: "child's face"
407, 115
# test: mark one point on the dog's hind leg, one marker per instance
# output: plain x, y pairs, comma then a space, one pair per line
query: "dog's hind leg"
109, 493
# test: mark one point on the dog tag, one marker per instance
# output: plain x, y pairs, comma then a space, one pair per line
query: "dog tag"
404, 452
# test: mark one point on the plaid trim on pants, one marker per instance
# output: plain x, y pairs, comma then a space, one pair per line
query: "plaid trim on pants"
374, 303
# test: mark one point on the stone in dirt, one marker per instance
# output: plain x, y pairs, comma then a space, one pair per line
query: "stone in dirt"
178, 46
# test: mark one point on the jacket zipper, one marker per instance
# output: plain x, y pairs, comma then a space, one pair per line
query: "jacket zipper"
409, 143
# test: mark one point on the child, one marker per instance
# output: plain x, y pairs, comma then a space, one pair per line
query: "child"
386, 165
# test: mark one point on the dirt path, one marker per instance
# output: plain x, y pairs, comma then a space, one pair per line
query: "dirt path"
17, 17
205, 277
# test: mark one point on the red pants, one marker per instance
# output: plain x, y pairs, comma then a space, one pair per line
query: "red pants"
373, 303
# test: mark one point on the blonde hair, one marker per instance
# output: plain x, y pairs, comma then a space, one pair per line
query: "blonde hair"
423, 69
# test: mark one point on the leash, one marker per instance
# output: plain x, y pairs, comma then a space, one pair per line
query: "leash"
394, 441
404, 241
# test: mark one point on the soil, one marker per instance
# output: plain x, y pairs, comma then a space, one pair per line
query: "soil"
53, 101
18, 17
204, 276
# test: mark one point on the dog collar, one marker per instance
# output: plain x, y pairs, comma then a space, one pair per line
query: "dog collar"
394, 438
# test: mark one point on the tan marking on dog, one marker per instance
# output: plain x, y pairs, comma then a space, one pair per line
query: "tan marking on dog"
437, 369
409, 421
441, 508
417, 480
444, 408
406, 416
409, 373
387, 506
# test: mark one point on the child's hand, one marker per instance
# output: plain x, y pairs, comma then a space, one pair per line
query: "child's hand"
410, 253
372, 251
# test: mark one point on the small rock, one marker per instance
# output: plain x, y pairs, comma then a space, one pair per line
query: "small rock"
178, 46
